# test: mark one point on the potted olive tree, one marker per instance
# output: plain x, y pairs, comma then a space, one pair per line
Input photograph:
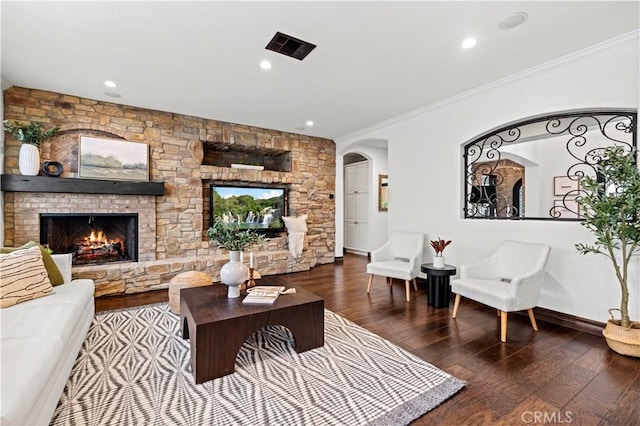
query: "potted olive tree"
31, 135
610, 203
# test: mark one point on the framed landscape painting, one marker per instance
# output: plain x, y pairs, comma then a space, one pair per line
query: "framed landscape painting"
113, 159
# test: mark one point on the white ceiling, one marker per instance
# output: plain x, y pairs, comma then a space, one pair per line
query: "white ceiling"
374, 60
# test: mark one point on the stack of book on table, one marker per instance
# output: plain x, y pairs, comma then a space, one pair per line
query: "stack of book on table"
263, 294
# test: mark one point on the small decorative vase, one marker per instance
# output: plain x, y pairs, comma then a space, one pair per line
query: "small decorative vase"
438, 261
233, 273
52, 168
29, 160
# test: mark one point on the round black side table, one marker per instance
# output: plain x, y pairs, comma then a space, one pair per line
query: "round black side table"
439, 291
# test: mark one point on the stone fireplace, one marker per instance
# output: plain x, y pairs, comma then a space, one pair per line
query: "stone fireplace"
91, 238
186, 154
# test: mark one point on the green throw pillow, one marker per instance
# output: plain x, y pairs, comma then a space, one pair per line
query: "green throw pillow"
49, 264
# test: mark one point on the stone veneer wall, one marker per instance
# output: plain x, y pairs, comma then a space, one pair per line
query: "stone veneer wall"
172, 237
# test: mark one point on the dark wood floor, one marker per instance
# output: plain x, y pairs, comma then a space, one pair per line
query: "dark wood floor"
553, 376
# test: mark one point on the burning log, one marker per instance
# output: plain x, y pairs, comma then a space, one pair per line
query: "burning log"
96, 248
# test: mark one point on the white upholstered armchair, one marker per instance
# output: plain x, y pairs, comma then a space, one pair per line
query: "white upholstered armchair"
398, 258
509, 280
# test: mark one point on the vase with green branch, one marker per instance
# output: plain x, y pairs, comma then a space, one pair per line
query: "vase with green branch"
230, 236
31, 135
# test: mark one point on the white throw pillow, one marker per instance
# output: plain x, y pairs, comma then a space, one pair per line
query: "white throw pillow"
296, 224
23, 277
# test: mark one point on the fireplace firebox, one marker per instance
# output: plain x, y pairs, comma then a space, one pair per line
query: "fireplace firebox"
91, 238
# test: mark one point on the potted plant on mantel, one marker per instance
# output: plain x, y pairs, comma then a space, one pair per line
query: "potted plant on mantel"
229, 235
31, 135
610, 203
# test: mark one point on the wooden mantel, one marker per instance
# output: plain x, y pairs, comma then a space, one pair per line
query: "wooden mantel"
20, 183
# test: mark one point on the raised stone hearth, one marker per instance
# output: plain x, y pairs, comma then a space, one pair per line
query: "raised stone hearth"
119, 278
172, 226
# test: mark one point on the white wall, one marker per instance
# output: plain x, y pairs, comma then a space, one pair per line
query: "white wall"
425, 168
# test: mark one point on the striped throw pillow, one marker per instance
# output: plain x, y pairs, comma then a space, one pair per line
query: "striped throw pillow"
55, 276
22, 277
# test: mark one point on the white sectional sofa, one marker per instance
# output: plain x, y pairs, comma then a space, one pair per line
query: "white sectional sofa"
40, 340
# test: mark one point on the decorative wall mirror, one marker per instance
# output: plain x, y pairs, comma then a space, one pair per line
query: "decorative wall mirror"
383, 193
531, 169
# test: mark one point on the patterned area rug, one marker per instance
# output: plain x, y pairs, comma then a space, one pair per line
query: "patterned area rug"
134, 369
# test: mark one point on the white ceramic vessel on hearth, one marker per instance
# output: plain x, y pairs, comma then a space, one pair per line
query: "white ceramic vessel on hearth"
233, 273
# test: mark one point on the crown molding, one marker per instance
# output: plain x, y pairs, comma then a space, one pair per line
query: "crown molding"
607, 46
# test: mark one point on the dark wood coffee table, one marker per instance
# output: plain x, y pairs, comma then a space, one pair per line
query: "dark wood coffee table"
217, 326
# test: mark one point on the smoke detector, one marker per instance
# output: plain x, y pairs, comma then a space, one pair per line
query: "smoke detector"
513, 20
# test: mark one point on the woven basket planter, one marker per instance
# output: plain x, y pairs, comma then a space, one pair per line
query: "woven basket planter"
185, 280
625, 341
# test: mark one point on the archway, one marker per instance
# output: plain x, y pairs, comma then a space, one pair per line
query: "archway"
374, 151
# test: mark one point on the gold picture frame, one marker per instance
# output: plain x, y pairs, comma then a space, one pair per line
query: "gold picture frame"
383, 193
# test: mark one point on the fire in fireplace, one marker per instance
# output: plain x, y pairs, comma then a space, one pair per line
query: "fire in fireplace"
91, 238
96, 247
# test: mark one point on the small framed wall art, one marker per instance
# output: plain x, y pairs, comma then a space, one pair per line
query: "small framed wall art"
566, 209
113, 159
383, 193
562, 185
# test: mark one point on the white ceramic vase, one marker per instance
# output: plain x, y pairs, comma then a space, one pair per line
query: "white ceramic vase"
29, 160
233, 273
438, 261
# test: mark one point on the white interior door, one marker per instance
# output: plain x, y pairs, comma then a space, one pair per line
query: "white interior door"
356, 206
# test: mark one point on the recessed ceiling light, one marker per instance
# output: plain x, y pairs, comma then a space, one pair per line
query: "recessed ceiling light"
309, 123
109, 83
513, 20
469, 43
113, 94
265, 65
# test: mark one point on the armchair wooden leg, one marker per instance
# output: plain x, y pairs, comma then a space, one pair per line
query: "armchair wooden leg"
415, 285
533, 319
498, 310
389, 280
407, 287
370, 281
503, 326
456, 303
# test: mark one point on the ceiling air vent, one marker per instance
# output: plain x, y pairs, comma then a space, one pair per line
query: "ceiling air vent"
290, 46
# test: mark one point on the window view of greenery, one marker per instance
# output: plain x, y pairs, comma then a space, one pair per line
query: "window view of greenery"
255, 208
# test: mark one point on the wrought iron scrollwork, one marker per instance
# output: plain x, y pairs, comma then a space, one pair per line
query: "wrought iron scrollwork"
585, 134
